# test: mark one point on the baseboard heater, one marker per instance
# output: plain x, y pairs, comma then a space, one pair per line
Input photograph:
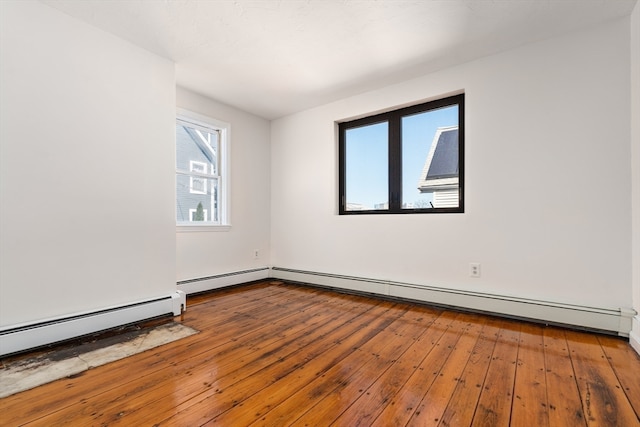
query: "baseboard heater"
634, 335
612, 321
209, 283
18, 338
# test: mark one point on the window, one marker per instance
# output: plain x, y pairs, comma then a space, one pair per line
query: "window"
409, 160
201, 171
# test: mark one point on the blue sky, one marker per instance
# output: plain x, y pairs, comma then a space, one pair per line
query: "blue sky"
367, 157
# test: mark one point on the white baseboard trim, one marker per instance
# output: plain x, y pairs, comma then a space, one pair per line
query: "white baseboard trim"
17, 338
593, 318
209, 283
634, 335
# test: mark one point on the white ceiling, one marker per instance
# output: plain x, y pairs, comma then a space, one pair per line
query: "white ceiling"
276, 57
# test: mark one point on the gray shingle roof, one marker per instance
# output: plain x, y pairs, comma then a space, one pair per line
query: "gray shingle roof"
441, 168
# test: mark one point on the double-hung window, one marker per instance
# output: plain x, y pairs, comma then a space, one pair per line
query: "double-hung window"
201, 170
409, 160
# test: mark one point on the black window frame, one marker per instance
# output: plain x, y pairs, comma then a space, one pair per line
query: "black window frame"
394, 120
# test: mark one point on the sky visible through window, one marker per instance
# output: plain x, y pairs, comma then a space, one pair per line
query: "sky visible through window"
367, 161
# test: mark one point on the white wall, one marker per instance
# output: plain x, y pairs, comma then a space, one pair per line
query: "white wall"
204, 254
87, 156
635, 168
548, 212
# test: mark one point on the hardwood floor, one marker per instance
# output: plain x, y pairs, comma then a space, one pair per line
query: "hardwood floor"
280, 354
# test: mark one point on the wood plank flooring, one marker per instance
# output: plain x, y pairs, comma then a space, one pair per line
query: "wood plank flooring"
279, 354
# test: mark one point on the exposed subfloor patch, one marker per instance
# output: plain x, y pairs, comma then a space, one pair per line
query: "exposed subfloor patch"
26, 373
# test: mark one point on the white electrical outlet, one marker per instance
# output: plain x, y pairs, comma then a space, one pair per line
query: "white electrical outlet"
256, 254
474, 269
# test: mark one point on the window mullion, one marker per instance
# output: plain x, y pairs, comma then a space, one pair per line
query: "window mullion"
395, 164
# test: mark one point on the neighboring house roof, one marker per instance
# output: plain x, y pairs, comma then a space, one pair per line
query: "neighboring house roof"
192, 136
441, 168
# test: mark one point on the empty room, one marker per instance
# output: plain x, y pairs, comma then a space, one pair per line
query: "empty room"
320, 212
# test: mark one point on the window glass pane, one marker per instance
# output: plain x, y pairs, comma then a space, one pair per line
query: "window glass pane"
366, 165
192, 205
430, 170
196, 179
196, 150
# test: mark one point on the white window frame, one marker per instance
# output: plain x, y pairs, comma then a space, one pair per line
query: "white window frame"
204, 123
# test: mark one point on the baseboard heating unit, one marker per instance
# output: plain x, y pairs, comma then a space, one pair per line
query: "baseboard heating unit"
634, 335
208, 283
613, 321
17, 338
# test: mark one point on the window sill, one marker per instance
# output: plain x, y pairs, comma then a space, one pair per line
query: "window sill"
201, 228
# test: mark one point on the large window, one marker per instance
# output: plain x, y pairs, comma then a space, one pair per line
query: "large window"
201, 170
409, 160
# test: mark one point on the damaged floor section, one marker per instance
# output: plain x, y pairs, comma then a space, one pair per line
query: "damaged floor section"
26, 373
